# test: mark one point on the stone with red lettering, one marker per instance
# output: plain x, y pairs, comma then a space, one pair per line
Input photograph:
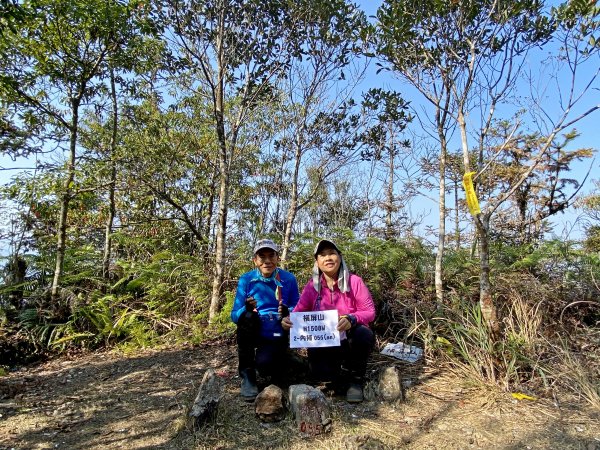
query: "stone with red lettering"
311, 410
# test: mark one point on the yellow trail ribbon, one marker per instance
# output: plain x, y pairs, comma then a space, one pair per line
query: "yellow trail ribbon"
520, 396
472, 201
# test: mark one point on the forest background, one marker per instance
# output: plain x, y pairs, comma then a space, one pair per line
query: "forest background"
160, 139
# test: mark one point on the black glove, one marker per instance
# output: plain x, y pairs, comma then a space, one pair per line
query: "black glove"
283, 311
250, 304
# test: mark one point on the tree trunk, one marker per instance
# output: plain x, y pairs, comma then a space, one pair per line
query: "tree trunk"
108, 227
456, 216
293, 208
14, 275
280, 196
208, 219
488, 309
389, 228
220, 247
439, 257
482, 225
64, 201
112, 186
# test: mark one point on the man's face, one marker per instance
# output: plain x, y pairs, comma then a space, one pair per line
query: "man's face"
266, 260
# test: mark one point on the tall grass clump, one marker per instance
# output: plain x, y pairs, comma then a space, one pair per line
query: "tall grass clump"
547, 299
461, 339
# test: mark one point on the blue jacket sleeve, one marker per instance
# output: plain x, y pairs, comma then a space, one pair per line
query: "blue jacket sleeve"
239, 304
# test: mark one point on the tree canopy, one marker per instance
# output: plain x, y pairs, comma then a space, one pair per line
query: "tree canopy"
165, 137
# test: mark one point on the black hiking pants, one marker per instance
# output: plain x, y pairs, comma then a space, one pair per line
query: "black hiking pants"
255, 352
346, 363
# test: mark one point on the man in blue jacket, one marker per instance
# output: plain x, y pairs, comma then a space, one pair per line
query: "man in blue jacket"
264, 296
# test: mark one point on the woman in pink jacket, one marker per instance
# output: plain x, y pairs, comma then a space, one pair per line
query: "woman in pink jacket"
334, 287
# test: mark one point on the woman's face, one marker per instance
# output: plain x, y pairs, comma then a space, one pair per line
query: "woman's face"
329, 262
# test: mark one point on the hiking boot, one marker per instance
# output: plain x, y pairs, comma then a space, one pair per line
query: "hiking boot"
354, 394
248, 389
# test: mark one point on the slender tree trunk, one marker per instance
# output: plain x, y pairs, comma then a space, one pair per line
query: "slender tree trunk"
65, 199
368, 200
389, 228
208, 219
456, 216
220, 247
439, 257
14, 275
108, 228
287, 235
482, 225
279, 197
293, 208
488, 309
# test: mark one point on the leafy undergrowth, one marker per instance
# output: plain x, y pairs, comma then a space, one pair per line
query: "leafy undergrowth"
109, 400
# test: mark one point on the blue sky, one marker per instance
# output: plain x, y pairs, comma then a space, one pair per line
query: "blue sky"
567, 223
588, 128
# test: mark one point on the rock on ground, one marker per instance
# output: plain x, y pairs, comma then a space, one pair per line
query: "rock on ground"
269, 404
311, 410
207, 401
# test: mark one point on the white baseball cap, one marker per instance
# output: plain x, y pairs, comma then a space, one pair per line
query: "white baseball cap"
265, 243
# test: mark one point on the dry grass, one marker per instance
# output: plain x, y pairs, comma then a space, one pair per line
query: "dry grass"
579, 371
107, 401
441, 410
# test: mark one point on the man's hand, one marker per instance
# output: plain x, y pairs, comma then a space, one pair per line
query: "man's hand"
250, 304
283, 310
286, 323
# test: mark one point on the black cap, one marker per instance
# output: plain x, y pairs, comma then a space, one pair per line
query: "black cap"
325, 243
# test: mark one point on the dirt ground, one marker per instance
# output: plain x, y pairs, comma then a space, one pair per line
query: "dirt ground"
110, 400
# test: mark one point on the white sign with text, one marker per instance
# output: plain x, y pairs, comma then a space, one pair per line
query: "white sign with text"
314, 329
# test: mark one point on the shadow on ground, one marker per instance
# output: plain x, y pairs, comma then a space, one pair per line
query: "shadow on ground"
108, 400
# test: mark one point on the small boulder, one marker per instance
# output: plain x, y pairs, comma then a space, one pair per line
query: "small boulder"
311, 410
390, 386
269, 405
207, 401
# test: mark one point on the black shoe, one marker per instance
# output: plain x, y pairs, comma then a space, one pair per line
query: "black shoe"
337, 387
354, 394
248, 389
280, 381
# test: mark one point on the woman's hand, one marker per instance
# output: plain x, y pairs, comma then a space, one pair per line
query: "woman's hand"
344, 324
286, 323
